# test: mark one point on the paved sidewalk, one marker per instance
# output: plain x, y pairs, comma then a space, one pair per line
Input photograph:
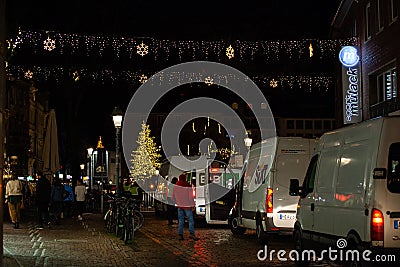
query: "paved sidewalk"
80, 243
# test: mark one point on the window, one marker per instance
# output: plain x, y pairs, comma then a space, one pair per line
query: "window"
393, 181
379, 15
309, 124
308, 183
355, 28
367, 22
386, 86
290, 124
299, 124
327, 125
318, 124
393, 10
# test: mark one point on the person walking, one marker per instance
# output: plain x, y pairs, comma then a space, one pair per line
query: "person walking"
43, 197
80, 194
57, 199
14, 198
170, 202
69, 199
183, 197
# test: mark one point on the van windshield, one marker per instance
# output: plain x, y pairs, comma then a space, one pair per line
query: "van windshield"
393, 177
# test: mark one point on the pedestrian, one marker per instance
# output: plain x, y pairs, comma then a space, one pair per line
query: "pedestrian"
43, 197
136, 192
69, 199
170, 202
14, 199
80, 195
183, 196
57, 199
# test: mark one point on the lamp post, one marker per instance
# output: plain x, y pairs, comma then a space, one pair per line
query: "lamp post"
117, 118
90, 153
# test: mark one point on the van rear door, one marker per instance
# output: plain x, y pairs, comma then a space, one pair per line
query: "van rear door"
392, 202
219, 194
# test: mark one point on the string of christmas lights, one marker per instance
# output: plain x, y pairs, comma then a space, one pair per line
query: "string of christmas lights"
108, 76
92, 46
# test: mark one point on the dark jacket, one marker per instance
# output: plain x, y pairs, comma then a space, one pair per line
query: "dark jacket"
183, 194
43, 191
57, 193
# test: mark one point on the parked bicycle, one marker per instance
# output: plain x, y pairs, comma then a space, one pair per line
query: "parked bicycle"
123, 217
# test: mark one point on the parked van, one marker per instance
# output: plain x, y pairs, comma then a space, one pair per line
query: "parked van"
352, 188
263, 202
200, 175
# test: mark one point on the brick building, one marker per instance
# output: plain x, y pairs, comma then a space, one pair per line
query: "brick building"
375, 24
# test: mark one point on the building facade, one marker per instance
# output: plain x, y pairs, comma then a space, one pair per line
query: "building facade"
375, 24
25, 116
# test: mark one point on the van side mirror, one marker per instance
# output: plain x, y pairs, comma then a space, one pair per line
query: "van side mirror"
294, 188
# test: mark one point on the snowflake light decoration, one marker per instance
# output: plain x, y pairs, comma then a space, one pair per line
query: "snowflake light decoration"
142, 49
209, 81
273, 83
143, 78
230, 52
28, 74
75, 76
49, 44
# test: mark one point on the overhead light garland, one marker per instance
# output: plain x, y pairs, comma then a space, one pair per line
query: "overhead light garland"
108, 76
91, 45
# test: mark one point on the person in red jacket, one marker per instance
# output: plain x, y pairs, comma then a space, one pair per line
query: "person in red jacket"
183, 196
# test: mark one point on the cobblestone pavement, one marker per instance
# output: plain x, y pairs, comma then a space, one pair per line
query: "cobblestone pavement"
86, 243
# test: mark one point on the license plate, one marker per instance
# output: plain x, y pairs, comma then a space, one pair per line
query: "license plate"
396, 224
287, 216
202, 209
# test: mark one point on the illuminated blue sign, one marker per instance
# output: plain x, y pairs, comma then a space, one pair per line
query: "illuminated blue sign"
348, 56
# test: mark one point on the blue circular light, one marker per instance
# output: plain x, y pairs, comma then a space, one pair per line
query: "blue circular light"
348, 56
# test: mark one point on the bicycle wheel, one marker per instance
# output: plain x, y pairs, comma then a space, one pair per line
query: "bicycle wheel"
139, 219
109, 221
119, 223
129, 229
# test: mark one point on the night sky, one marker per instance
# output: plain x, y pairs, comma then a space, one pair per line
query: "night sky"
174, 20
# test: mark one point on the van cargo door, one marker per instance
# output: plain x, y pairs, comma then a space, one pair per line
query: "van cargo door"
392, 211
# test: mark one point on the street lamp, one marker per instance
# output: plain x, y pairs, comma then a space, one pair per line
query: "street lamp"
117, 118
82, 166
247, 142
90, 153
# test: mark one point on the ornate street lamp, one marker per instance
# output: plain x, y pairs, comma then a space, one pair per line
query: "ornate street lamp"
117, 118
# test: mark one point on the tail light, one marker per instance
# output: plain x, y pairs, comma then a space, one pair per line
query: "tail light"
376, 225
194, 192
268, 200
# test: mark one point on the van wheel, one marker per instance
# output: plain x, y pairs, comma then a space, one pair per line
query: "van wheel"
299, 247
261, 235
353, 244
234, 225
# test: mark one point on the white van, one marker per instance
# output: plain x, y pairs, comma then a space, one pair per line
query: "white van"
262, 198
200, 176
216, 173
352, 188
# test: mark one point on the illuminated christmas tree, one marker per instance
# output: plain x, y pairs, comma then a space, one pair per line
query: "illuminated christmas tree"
146, 158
